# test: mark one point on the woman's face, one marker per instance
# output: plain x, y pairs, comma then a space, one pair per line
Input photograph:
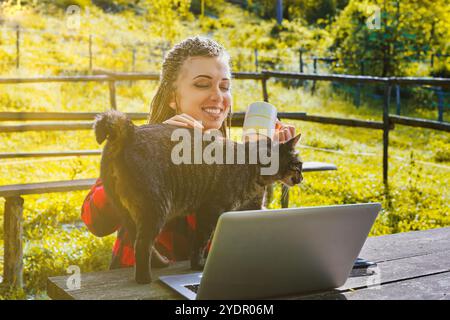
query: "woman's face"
203, 90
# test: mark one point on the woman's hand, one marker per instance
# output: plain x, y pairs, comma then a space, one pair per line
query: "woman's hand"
283, 132
184, 120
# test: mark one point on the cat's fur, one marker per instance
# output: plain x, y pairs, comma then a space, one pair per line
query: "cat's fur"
148, 189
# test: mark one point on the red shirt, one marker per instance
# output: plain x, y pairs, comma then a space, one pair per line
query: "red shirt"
102, 220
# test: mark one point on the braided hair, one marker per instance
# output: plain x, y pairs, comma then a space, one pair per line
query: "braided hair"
196, 46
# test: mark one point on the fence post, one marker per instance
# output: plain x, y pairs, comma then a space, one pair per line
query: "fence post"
301, 59
358, 95
269, 189
397, 98
387, 95
313, 89
264, 89
440, 95
256, 60
300, 51
133, 64
90, 54
112, 94
13, 255
163, 49
359, 85
17, 47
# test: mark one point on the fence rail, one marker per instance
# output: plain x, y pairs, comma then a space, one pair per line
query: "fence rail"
13, 264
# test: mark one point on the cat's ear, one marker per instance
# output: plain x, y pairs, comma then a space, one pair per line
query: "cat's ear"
293, 141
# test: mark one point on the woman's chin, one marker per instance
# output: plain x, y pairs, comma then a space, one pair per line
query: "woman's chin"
211, 125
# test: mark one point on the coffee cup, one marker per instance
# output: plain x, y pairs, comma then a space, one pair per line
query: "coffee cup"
260, 119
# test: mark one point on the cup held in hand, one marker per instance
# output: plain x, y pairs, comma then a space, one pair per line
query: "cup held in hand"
260, 119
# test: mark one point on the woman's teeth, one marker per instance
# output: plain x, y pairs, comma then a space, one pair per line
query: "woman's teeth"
212, 110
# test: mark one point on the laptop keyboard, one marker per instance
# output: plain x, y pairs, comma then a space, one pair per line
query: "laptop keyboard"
192, 287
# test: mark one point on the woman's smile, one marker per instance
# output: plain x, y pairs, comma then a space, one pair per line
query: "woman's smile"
204, 90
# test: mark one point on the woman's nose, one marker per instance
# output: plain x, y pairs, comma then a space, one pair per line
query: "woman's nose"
216, 95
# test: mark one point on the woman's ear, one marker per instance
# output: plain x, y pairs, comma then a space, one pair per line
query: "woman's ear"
173, 101
173, 104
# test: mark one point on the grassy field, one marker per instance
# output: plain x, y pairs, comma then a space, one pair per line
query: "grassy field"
418, 197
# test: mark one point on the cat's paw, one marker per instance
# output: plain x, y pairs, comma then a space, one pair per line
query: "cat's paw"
158, 260
143, 278
198, 263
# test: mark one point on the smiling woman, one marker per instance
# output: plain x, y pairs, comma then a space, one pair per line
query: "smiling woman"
195, 87
194, 91
204, 84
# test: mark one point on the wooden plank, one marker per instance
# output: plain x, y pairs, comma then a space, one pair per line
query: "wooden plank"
119, 284
359, 79
323, 77
45, 187
96, 78
70, 116
105, 75
435, 287
13, 248
60, 126
422, 123
313, 166
393, 274
82, 184
420, 81
49, 154
339, 121
406, 244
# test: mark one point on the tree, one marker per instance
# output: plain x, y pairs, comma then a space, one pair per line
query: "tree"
165, 16
408, 31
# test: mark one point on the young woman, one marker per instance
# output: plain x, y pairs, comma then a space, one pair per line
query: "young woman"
194, 91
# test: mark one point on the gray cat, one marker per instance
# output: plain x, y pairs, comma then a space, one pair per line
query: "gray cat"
148, 188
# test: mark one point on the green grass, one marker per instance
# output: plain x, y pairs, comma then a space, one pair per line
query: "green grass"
54, 239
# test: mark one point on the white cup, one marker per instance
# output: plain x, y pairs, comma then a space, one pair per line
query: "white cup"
260, 119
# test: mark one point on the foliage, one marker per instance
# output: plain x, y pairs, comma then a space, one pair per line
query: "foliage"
408, 31
54, 236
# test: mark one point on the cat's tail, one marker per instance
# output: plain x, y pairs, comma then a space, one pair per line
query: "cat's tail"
114, 126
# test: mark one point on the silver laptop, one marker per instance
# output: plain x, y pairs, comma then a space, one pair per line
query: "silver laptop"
275, 253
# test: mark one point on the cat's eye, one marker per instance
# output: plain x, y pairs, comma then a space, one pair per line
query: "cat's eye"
295, 166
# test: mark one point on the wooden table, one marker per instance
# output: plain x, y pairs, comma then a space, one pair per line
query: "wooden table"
412, 265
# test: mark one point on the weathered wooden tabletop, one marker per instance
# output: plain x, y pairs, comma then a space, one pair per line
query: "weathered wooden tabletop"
412, 265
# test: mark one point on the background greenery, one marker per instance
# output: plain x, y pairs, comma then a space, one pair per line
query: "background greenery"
54, 235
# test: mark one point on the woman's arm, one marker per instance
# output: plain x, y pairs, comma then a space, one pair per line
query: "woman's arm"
97, 212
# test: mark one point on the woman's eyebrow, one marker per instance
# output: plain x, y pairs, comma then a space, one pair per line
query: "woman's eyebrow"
209, 77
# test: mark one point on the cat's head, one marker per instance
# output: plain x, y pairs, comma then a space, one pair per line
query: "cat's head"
285, 164
290, 170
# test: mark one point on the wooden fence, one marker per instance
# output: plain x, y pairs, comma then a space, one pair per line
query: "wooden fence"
13, 265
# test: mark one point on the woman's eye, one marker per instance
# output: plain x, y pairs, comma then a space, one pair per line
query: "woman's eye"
225, 88
201, 85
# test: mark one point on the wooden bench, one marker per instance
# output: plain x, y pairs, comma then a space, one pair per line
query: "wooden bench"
412, 265
13, 216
